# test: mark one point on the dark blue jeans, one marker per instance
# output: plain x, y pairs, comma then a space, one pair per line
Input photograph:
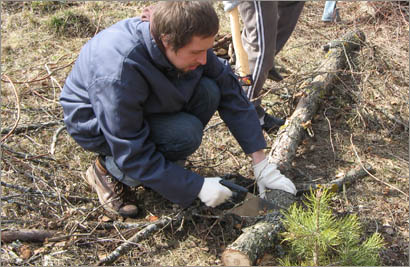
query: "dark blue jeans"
178, 135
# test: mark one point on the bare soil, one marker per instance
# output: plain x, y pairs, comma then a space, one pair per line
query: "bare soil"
364, 119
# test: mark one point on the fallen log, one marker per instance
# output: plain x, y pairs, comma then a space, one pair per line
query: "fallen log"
253, 242
336, 60
261, 237
26, 235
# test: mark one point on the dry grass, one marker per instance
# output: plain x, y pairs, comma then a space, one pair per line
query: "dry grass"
351, 126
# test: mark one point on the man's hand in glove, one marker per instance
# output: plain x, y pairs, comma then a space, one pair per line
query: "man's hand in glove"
213, 193
269, 177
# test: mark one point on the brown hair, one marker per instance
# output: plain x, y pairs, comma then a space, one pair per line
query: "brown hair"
181, 20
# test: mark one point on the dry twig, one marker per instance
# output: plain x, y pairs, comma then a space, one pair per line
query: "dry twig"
18, 110
29, 127
330, 135
374, 177
338, 184
48, 194
55, 137
144, 233
39, 79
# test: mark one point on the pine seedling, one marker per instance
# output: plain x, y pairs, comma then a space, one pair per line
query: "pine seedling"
316, 237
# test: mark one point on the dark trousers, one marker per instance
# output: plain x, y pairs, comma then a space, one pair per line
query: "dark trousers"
178, 135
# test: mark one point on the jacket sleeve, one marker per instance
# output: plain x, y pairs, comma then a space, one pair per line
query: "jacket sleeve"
235, 108
118, 106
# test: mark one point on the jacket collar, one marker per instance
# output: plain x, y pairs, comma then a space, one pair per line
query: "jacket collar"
157, 55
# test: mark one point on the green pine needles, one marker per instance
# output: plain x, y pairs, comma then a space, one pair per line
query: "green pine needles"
317, 238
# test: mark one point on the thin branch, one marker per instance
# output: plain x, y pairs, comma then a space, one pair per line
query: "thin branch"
213, 126
388, 115
116, 224
12, 201
234, 158
48, 194
18, 110
39, 79
98, 25
339, 183
330, 135
55, 137
374, 177
26, 156
19, 188
141, 235
8, 221
29, 127
53, 80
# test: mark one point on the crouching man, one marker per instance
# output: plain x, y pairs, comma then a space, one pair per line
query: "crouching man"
141, 93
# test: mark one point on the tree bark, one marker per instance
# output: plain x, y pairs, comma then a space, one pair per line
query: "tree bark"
254, 241
261, 237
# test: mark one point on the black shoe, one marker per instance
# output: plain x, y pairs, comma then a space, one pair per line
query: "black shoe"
271, 123
274, 75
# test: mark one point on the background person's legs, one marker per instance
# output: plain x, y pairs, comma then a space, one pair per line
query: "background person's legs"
259, 40
289, 13
267, 27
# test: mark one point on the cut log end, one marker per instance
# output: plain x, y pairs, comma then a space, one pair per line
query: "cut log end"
231, 257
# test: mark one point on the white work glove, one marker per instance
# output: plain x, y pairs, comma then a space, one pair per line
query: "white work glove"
213, 193
269, 177
229, 5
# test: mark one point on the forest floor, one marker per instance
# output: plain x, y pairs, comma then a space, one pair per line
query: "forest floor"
363, 120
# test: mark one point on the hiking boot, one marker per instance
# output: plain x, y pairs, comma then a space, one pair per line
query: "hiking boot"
271, 123
114, 196
274, 75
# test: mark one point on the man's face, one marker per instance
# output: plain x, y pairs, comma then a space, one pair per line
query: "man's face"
189, 57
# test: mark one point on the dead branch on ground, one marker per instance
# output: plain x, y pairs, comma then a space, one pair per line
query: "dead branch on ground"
140, 235
336, 185
29, 127
18, 111
374, 177
26, 235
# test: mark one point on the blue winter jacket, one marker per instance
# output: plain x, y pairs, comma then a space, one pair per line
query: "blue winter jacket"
120, 77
